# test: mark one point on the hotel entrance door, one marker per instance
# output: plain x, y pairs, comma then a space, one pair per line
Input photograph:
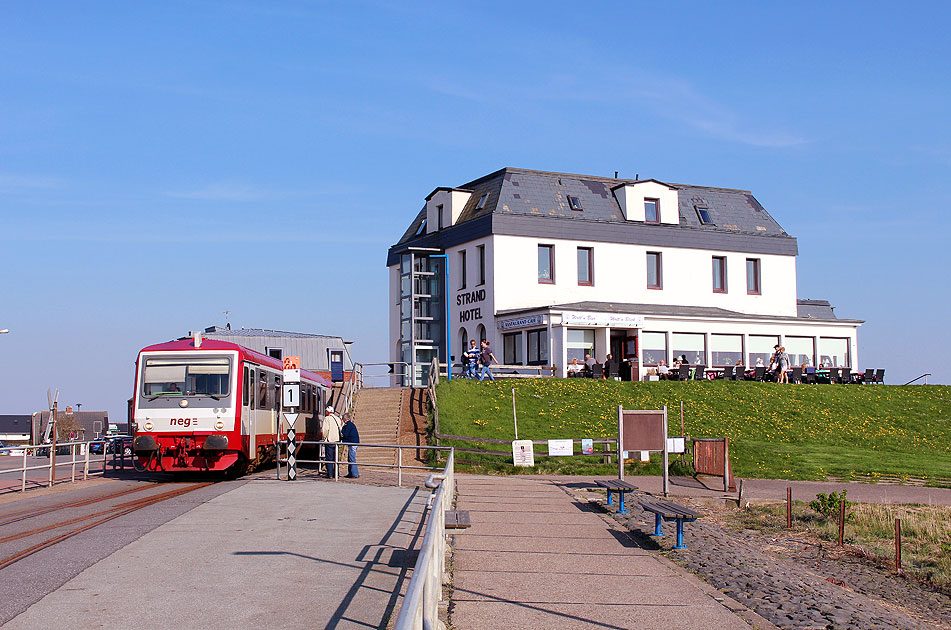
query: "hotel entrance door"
624, 351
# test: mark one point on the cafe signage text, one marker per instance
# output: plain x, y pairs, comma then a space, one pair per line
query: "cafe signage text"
613, 320
521, 322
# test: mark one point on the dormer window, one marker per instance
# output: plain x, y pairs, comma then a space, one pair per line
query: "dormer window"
481, 203
439, 224
703, 213
652, 211
574, 203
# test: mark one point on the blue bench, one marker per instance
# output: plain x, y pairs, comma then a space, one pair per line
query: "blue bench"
670, 511
619, 486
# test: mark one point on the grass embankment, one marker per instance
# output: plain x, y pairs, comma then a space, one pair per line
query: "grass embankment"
775, 431
926, 533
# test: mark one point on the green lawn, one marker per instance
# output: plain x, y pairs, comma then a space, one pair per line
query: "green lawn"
775, 431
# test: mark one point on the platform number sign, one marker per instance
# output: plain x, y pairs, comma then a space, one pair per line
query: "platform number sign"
291, 397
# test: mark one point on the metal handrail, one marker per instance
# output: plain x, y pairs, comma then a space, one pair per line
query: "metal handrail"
420, 609
357, 376
72, 462
338, 462
924, 376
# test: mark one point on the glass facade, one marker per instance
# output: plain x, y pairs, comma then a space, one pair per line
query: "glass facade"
654, 347
726, 350
422, 311
693, 345
761, 349
800, 350
580, 342
834, 352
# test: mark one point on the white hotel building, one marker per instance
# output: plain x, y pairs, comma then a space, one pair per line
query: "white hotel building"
552, 266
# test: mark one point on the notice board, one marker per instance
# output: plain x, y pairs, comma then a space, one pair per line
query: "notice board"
643, 430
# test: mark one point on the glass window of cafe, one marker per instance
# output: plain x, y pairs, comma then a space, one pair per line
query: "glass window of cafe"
800, 350
537, 347
512, 348
726, 350
654, 347
693, 345
579, 343
834, 352
761, 347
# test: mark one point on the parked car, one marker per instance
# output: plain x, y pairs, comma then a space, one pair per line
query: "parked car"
121, 444
60, 450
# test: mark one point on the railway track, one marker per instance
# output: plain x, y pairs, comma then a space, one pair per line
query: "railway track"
30, 513
84, 522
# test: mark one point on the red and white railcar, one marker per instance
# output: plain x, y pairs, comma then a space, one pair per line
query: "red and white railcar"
208, 405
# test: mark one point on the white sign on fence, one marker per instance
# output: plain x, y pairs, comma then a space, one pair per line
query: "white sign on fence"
587, 446
676, 445
560, 448
523, 453
645, 456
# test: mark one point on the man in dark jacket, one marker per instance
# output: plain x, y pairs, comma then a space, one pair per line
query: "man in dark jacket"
350, 436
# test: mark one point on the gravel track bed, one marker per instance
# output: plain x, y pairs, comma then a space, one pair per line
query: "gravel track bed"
791, 581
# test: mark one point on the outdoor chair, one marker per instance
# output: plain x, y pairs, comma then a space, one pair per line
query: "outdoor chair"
810, 376
759, 373
846, 377
879, 377
597, 371
701, 373
833, 375
796, 375
684, 374
729, 373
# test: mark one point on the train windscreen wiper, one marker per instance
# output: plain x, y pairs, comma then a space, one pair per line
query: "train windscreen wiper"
215, 396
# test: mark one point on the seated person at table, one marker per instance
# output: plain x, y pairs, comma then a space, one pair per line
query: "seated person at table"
589, 363
575, 368
662, 370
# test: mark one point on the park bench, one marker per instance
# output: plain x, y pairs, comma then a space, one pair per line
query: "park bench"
616, 485
669, 511
457, 519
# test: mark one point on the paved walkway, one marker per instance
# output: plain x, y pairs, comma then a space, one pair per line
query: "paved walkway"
535, 557
264, 555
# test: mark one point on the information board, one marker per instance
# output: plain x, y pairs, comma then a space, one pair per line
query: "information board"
560, 448
643, 430
523, 453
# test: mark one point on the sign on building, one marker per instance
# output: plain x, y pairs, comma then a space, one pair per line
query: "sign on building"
612, 320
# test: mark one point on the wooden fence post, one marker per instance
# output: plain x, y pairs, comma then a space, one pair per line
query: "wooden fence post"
788, 507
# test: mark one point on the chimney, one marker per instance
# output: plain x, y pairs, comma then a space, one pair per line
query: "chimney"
196, 338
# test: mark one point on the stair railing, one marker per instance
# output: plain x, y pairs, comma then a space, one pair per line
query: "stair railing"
924, 376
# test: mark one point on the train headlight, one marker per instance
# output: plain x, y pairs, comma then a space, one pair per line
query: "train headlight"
219, 425
148, 426
182, 403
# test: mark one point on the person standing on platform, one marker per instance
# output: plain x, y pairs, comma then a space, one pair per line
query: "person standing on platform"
351, 437
330, 432
471, 357
486, 359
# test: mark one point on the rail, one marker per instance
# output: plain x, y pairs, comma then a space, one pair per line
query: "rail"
85, 454
501, 370
420, 609
924, 376
340, 450
358, 377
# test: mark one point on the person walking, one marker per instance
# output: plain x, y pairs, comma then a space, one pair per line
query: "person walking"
471, 356
486, 358
350, 437
330, 433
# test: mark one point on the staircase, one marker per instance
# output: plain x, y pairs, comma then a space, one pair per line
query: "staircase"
377, 413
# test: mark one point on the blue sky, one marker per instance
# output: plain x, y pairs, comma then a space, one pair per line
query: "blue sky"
161, 163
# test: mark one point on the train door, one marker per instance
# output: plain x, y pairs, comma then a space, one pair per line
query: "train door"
247, 400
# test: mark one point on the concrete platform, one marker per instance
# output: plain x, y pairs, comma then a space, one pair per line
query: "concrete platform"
536, 557
265, 554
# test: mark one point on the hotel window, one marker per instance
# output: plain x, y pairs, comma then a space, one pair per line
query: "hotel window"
652, 210
691, 345
586, 266
760, 348
463, 344
726, 350
462, 269
481, 249
703, 213
752, 276
546, 264
579, 343
719, 274
654, 277
575, 203
654, 347
480, 333
512, 348
537, 347
834, 352
800, 350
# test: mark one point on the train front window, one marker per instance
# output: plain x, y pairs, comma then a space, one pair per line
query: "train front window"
190, 376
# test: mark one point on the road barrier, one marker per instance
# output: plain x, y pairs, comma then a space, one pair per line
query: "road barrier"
82, 450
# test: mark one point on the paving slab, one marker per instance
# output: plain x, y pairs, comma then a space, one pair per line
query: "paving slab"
266, 554
520, 566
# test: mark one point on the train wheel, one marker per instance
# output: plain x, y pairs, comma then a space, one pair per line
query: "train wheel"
237, 469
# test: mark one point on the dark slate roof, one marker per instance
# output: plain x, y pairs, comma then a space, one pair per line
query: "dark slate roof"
15, 423
666, 310
815, 309
520, 192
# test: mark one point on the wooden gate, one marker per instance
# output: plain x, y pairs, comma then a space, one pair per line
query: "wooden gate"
712, 457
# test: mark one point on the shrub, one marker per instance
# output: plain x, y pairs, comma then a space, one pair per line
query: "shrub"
828, 504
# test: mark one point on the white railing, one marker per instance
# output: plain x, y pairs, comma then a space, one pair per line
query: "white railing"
341, 450
358, 377
81, 449
420, 609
